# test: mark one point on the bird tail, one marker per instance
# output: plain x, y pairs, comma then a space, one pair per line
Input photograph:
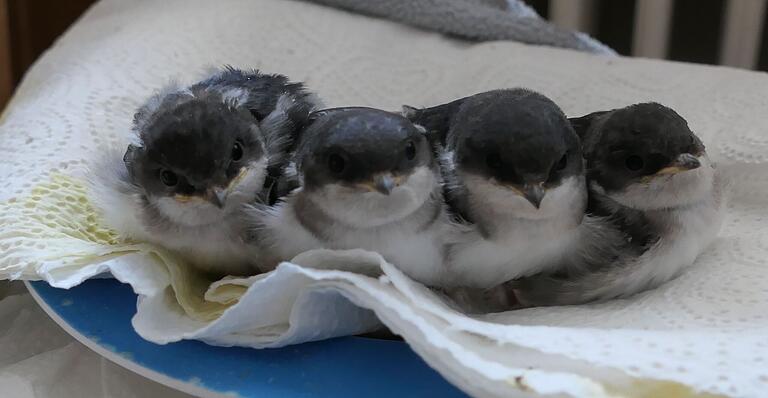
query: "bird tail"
599, 268
619, 280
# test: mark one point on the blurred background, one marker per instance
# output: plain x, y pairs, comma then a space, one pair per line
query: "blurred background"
724, 32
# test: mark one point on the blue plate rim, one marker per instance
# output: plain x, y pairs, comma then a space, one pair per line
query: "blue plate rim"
151, 374
348, 366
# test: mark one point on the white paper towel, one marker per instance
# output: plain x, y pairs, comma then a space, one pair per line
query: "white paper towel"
706, 331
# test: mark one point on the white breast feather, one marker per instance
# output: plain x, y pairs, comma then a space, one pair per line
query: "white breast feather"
398, 239
687, 231
524, 240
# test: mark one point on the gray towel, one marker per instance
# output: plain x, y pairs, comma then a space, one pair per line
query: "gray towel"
480, 20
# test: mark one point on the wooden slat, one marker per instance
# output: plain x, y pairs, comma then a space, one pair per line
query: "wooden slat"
650, 37
573, 14
6, 75
743, 31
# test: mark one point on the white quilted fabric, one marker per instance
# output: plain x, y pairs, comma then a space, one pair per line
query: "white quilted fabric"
706, 331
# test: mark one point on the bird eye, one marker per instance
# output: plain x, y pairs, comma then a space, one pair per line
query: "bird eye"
169, 178
634, 163
410, 150
336, 163
562, 163
559, 166
493, 161
237, 152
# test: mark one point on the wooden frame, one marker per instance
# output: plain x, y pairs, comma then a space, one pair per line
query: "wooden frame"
6, 76
573, 14
650, 37
743, 31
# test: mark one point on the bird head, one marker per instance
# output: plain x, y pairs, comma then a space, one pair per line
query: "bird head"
199, 157
516, 150
645, 156
365, 165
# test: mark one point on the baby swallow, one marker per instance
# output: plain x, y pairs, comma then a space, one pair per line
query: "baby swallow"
201, 153
513, 170
655, 204
369, 180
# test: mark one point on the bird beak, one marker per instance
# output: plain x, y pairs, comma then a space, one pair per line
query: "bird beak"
217, 196
384, 183
534, 193
684, 162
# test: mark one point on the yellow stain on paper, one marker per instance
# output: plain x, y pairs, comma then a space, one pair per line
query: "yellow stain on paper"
57, 224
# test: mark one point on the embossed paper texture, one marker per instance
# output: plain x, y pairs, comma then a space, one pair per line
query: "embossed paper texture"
703, 333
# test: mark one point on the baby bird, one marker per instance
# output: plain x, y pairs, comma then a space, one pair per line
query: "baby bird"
514, 172
200, 155
368, 180
656, 202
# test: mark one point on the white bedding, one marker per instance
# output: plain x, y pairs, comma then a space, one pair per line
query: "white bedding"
706, 331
